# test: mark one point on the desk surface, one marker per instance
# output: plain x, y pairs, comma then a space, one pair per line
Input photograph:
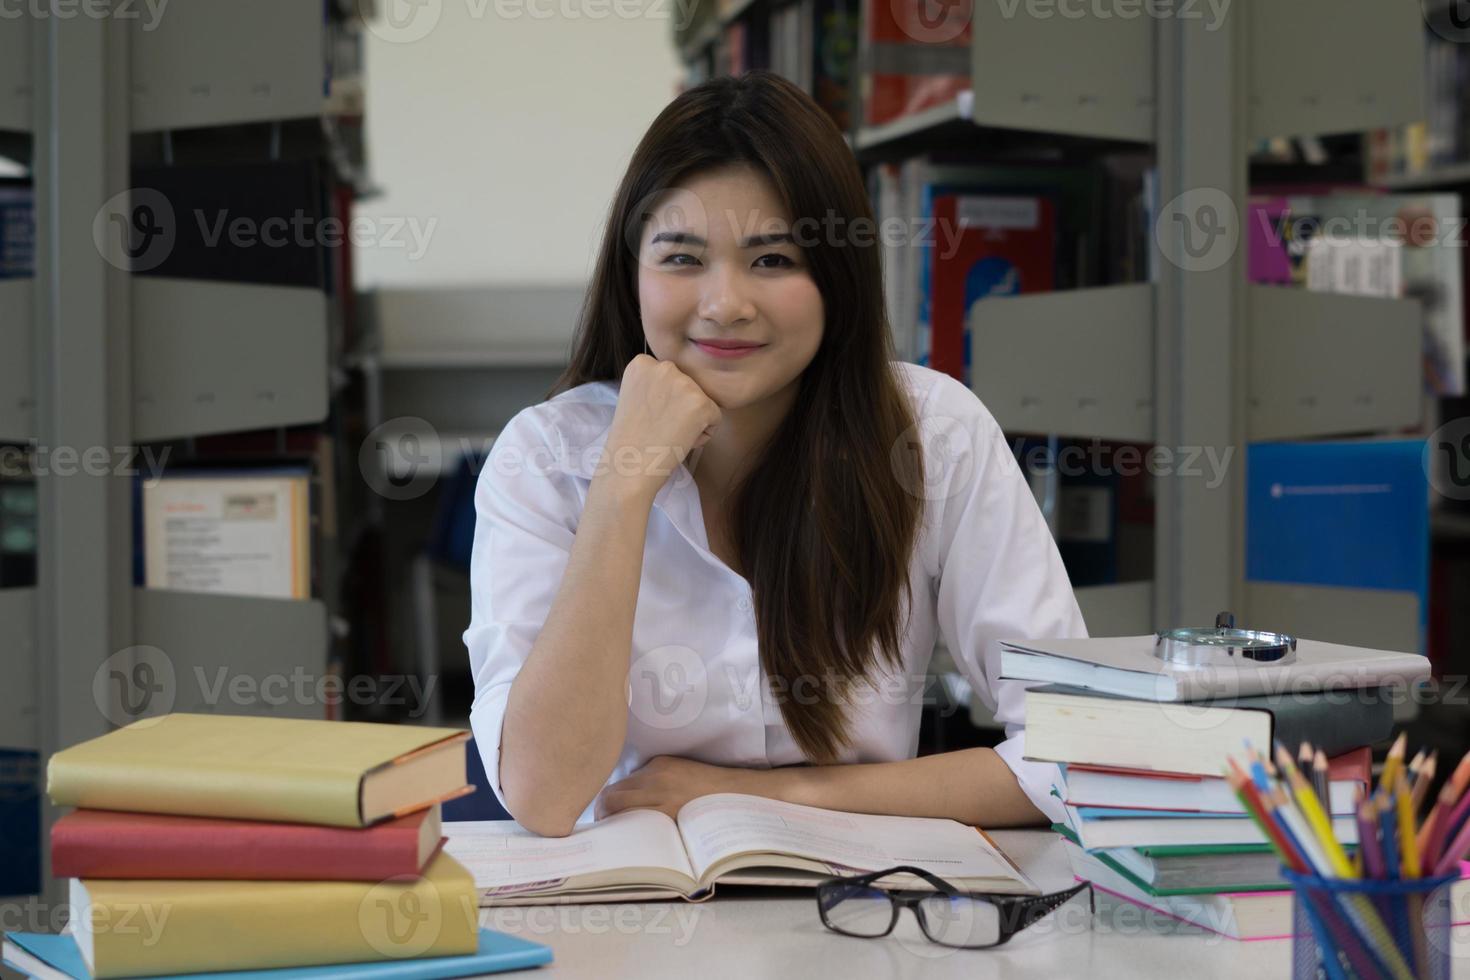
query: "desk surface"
777, 934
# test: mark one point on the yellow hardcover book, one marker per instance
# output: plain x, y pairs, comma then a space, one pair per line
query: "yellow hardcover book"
336, 773
155, 928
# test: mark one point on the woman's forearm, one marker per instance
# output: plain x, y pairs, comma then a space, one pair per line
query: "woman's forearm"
973, 786
567, 713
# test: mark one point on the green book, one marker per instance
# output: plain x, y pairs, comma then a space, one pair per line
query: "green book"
1191, 869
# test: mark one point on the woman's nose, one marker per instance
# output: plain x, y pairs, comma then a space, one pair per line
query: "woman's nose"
725, 300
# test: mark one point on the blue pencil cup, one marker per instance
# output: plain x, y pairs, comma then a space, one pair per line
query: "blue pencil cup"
1367, 929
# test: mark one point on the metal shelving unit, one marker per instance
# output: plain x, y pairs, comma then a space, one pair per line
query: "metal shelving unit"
210, 64
213, 360
20, 725
121, 360
1320, 365
1194, 358
1102, 388
1324, 364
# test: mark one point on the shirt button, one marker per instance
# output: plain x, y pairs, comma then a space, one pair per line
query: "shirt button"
744, 604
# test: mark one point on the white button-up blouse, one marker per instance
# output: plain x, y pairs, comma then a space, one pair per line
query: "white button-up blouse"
984, 568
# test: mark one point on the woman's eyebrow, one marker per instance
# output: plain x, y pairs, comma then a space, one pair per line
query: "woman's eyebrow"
689, 238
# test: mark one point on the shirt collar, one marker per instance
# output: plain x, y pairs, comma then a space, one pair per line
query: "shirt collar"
678, 498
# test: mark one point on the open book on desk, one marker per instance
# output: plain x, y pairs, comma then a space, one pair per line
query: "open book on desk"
724, 837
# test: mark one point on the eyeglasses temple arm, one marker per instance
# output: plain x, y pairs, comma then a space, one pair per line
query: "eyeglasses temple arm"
1025, 911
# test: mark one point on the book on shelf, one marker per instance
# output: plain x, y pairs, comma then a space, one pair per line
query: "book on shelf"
1442, 138
724, 838
1126, 665
1146, 789
335, 773
234, 531
834, 38
116, 844
907, 192
1371, 244
1343, 513
991, 245
255, 222
254, 925
909, 59
56, 957
20, 821
1268, 231
19, 516
1101, 516
17, 229
1076, 725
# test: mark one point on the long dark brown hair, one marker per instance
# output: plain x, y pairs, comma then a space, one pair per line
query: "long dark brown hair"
822, 522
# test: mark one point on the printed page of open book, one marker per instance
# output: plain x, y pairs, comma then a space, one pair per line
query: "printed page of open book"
502, 852
723, 824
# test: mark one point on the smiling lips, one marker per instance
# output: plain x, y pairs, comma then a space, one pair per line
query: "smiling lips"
726, 348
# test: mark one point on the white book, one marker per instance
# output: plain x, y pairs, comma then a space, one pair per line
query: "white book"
1126, 666
229, 532
726, 837
1187, 794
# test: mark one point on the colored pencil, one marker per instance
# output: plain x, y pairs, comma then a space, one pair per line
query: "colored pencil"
1319, 780
1455, 851
1419, 788
1394, 761
1436, 826
1405, 807
1250, 798
1448, 823
1291, 816
1316, 818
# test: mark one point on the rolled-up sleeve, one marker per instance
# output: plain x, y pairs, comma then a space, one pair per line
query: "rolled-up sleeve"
526, 511
1001, 576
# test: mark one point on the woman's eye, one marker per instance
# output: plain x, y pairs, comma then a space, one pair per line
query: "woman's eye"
669, 259
782, 262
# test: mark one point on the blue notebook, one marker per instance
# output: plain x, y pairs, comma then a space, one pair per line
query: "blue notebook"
497, 952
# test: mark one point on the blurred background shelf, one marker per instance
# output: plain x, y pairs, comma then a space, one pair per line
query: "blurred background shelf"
1453, 175
1325, 364
1077, 362
17, 399
1122, 609
1382, 618
212, 640
18, 665
210, 63
211, 357
15, 74
1090, 76
448, 327
1296, 52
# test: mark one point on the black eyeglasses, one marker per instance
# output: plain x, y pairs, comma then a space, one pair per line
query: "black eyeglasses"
947, 916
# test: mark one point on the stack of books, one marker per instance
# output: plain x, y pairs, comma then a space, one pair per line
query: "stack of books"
1142, 750
206, 843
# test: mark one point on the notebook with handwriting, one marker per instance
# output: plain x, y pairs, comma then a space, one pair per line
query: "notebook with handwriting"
724, 837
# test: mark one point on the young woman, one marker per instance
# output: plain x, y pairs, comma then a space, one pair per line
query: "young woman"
718, 559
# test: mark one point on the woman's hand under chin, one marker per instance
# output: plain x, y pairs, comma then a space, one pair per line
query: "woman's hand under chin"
667, 782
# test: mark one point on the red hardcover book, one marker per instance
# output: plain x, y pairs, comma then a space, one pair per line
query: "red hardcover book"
915, 56
984, 245
112, 844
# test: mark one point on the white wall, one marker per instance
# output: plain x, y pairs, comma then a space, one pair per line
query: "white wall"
501, 135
